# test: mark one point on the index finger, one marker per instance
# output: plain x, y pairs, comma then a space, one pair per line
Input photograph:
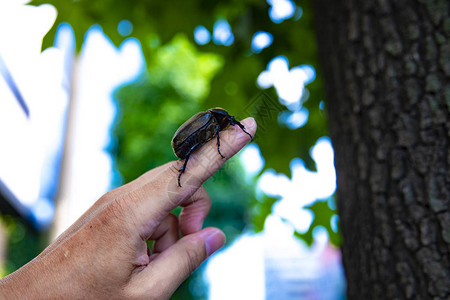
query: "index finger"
211, 156
158, 192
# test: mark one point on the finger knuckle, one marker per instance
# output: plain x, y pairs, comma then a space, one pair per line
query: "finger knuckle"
174, 167
114, 214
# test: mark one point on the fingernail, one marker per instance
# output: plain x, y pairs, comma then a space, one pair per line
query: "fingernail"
249, 123
214, 242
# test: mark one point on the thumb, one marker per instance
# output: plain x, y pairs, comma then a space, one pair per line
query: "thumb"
172, 266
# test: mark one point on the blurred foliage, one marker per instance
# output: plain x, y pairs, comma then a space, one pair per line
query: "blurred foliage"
151, 108
323, 211
156, 23
23, 243
183, 78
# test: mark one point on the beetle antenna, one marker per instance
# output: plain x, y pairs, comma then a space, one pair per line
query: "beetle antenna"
234, 122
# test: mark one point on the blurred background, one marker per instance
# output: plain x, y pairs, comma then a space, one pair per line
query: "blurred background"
91, 94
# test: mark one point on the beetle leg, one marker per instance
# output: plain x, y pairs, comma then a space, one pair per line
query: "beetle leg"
218, 140
183, 168
234, 122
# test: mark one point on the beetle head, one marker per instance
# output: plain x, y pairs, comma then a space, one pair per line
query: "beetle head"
222, 117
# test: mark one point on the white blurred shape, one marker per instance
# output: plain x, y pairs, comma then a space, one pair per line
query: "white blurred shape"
275, 265
294, 120
222, 34
201, 35
261, 40
21, 40
289, 209
273, 184
323, 155
334, 223
281, 10
30, 144
308, 71
252, 159
304, 187
289, 84
44, 210
237, 272
265, 80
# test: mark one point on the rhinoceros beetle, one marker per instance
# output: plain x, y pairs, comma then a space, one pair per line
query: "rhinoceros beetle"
198, 130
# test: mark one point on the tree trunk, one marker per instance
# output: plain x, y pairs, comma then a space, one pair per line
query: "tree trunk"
386, 66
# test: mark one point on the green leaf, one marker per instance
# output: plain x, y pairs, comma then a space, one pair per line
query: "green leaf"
323, 214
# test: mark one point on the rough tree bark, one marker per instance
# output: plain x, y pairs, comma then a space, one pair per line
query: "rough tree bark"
386, 66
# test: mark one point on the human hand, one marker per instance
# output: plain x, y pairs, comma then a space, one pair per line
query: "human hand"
104, 254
